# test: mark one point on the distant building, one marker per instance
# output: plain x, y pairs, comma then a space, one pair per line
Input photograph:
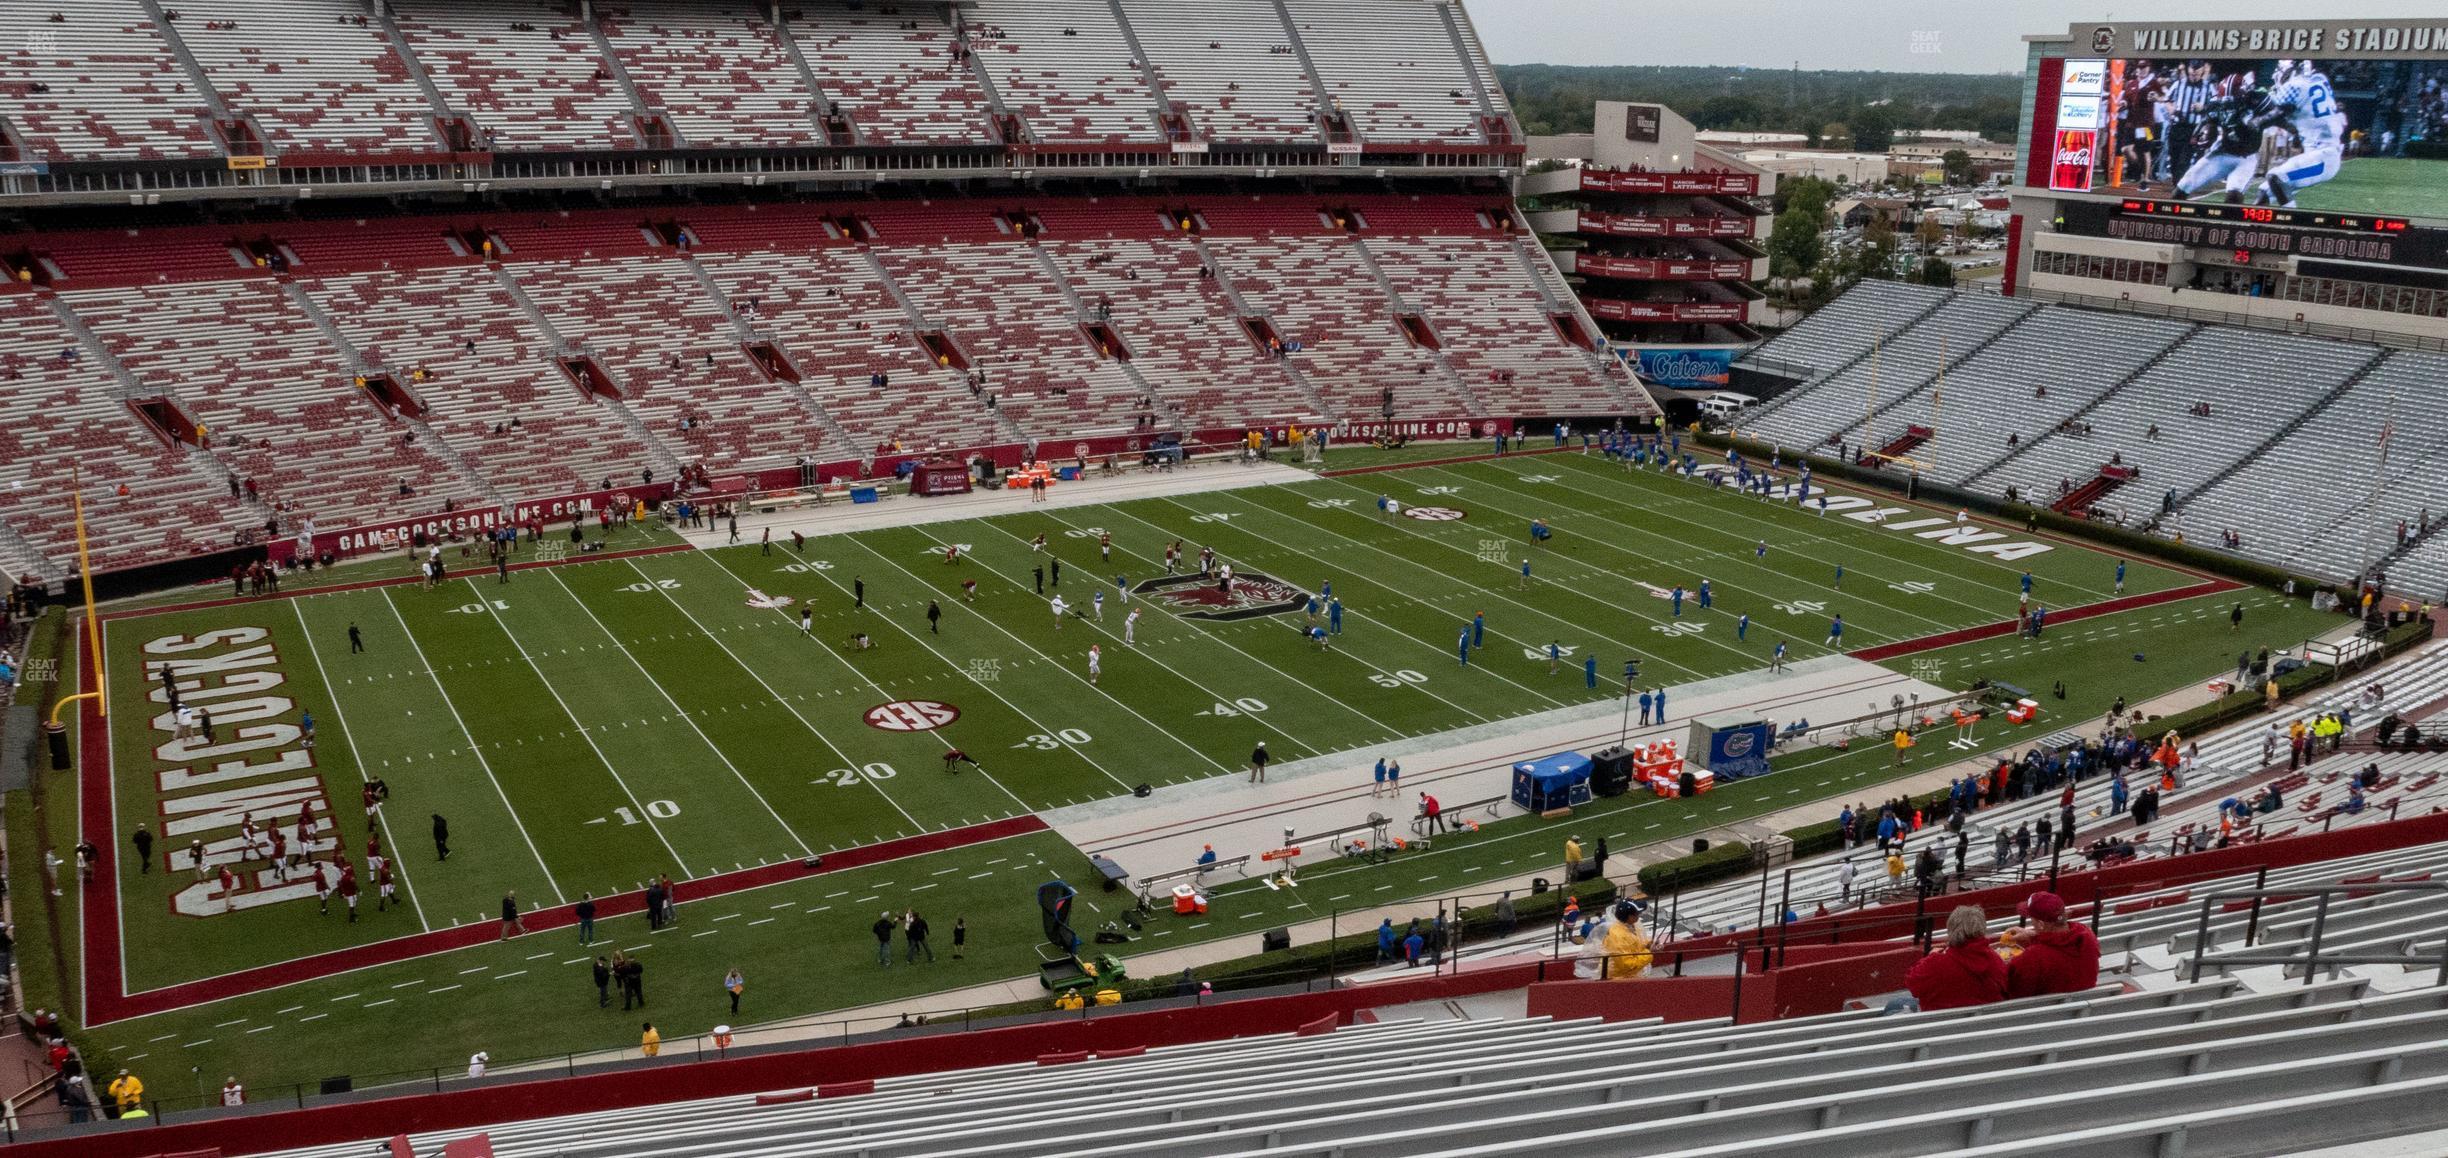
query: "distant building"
1925, 160
1664, 239
1856, 212
1724, 139
1825, 164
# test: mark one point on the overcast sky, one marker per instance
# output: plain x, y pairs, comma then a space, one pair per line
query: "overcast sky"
1889, 35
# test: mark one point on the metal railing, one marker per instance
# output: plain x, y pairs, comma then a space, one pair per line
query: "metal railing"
2313, 961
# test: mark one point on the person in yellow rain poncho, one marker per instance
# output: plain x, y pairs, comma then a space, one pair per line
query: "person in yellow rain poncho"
1616, 951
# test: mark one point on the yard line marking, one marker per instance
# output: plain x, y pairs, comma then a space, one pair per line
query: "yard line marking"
541, 956
1066, 669
760, 921
726, 916
987, 873
707, 933
1483, 593
657, 685
1879, 500
261, 1028
940, 872
1732, 558
350, 734
783, 905
843, 893
1354, 656
923, 888
304, 1020
507, 976
406, 984
478, 969
583, 732
444, 989
862, 675
481, 762
1099, 628
291, 1009
227, 1024
1425, 603
759, 677
193, 1044
865, 899
820, 908
575, 961
344, 997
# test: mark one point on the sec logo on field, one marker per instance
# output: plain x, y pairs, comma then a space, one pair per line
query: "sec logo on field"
1432, 514
911, 715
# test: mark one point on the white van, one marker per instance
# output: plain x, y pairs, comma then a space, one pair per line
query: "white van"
1724, 405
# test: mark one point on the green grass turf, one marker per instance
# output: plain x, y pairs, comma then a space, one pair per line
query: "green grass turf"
731, 739
2395, 186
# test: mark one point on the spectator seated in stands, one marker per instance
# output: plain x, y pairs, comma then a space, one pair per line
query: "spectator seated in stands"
1967, 972
2053, 955
2110, 850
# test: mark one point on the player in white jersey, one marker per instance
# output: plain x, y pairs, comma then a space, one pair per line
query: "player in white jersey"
2302, 97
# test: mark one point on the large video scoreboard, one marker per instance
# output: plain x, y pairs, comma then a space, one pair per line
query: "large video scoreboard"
2328, 125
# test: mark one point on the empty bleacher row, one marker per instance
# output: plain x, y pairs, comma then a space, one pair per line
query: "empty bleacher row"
1837, 405
896, 77
2227, 1067
2151, 423
1846, 328
2020, 386
104, 82
595, 345
99, 83
314, 76
2303, 527
60, 412
2233, 424
526, 70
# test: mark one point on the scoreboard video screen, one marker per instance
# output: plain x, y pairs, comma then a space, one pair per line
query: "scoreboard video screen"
2322, 118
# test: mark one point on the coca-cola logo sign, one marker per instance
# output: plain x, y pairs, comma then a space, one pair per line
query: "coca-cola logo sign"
2071, 167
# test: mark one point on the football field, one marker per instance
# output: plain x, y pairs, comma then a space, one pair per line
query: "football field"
2395, 186
587, 726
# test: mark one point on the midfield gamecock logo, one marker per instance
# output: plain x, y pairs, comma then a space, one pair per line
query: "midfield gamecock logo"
1253, 594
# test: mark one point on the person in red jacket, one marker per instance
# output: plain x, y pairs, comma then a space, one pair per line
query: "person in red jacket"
2058, 955
1967, 972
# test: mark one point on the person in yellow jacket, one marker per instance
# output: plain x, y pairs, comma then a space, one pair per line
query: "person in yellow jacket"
1626, 953
650, 1043
127, 1093
1070, 1001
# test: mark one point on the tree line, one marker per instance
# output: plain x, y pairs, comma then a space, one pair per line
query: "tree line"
1857, 110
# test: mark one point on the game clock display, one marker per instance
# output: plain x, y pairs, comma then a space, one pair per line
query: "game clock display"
2263, 215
